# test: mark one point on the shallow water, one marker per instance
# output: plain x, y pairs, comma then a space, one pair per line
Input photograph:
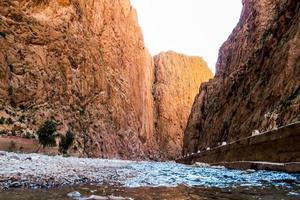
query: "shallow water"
148, 180
156, 193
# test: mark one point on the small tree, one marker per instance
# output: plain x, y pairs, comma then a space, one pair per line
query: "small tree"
66, 141
47, 134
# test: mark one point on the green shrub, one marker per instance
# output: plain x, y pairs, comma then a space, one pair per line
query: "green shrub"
9, 121
47, 134
3, 132
22, 119
286, 104
13, 133
2, 34
66, 141
28, 135
2, 120
66, 155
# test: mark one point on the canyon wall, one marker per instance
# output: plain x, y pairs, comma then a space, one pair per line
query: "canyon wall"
176, 83
257, 85
84, 65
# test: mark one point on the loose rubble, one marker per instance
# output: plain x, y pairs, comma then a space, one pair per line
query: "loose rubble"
41, 171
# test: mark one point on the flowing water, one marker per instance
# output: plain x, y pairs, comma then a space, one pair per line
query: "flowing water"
171, 181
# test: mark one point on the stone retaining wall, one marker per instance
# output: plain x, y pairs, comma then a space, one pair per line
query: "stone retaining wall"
280, 146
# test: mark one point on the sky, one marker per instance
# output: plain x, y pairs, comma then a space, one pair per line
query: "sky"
192, 27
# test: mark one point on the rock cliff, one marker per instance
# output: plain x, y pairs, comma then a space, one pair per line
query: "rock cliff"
257, 85
176, 83
84, 65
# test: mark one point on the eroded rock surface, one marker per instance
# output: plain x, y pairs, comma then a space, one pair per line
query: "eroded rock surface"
83, 64
177, 80
257, 85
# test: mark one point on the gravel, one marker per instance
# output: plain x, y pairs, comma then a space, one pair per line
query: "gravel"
41, 171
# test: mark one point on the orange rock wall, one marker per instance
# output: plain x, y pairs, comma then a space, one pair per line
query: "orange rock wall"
177, 80
83, 63
257, 85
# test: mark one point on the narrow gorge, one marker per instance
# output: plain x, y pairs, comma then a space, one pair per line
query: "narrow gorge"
87, 113
84, 65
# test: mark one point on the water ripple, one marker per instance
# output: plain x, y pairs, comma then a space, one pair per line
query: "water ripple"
145, 174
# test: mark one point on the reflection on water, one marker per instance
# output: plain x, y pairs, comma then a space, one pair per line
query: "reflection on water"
157, 193
171, 181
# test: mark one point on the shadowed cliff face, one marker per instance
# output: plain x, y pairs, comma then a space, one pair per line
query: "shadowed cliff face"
257, 83
84, 64
177, 80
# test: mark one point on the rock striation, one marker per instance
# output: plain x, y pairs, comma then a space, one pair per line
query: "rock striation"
176, 83
84, 64
256, 86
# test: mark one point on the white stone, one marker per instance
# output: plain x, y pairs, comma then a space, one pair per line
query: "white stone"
200, 164
255, 132
74, 194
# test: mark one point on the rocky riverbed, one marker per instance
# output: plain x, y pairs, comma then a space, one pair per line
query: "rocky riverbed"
56, 177
41, 171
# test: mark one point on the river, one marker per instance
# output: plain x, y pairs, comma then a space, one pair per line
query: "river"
33, 176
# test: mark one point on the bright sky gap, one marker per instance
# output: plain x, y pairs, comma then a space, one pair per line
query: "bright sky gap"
192, 27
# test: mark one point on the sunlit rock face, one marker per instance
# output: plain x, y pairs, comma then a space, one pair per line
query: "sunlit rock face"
176, 83
257, 85
82, 63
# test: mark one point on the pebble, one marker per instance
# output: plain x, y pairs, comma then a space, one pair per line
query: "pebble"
118, 198
74, 194
77, 196
14, 157
95, 197
294, 194
28, 158
15, 185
